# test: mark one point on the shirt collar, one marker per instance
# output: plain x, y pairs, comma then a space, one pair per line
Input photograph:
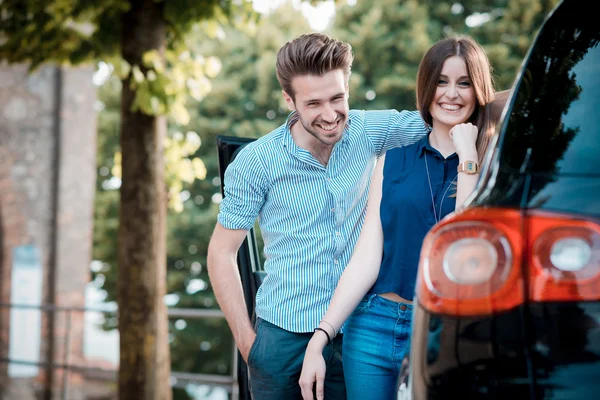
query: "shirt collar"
423, 145
287, 139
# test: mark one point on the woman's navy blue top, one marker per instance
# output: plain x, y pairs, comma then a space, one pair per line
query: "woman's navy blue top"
406, 211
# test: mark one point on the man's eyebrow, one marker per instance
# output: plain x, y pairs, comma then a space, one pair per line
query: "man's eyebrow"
311, 101
340, 94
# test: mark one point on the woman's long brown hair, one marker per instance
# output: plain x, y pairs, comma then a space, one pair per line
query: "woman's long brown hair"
479, 70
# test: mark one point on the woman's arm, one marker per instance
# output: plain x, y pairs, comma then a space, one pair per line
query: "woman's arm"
358, 277
464, 137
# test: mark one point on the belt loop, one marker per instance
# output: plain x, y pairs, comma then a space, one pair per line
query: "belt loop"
371, 297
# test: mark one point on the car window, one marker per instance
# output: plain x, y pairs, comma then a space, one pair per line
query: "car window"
554, 124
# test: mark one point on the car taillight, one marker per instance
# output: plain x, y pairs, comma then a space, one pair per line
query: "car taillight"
565, 262
470, 263
474, 262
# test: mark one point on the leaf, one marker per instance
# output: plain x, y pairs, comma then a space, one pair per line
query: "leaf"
121, 68
138, 75
180, 114
199, 168
213, 66
153, 59
156, 106
116, 169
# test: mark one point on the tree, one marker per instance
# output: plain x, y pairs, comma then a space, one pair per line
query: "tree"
245, 100
389, 38
144, 38
505, 28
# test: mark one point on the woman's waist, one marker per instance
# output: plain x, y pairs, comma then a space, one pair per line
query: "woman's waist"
394, 297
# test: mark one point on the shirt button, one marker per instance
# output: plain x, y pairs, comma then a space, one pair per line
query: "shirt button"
328, 179
338, 233
333, 210
335, 261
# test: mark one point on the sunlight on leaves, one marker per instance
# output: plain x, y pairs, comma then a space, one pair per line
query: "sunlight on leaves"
116, 169
180, 167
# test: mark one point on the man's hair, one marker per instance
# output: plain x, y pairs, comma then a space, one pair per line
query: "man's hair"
312, 54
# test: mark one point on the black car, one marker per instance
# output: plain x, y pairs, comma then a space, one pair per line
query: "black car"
508, 289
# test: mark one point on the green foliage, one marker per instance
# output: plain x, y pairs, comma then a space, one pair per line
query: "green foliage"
59, 30
389, 37
76, 31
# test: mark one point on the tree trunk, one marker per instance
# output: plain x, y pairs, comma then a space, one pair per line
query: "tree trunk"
144, 349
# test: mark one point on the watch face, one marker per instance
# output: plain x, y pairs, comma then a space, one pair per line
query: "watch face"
468, 167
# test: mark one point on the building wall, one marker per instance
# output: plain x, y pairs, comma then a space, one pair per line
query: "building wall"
47, 186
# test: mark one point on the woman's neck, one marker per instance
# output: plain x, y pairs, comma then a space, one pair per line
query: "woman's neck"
439, 139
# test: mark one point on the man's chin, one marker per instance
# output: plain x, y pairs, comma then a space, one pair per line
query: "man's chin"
331, 138
336, 133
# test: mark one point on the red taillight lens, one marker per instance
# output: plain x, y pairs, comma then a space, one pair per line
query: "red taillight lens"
474, 263
470, 263
565, 261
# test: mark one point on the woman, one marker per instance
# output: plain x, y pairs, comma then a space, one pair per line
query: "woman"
412, 188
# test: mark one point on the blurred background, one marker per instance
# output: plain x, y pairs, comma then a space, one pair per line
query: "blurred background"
60, 169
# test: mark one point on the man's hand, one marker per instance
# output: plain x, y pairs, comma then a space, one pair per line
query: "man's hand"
246, 346
227, 286
404, 371
313, 371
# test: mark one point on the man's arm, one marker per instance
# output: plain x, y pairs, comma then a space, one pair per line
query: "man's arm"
227, 286
387, 129
500, 99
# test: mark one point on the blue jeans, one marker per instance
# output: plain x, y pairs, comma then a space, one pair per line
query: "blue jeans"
376, 339
275, 363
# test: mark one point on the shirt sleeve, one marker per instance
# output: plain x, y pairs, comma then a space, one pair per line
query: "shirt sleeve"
390, 128
245, 187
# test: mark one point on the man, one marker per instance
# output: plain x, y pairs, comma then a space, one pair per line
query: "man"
307, 182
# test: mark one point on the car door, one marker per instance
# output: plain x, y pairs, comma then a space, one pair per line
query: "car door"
249, 264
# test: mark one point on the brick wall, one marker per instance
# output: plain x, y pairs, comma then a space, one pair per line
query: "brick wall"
12, 233
47, 184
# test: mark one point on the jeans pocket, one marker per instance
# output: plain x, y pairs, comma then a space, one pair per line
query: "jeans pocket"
252, 353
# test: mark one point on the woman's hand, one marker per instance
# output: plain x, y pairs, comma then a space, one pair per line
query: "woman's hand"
464, 137
313, 370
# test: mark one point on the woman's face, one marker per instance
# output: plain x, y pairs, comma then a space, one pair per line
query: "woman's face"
454, 99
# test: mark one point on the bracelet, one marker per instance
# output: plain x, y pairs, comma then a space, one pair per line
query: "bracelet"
325, 332
334, 330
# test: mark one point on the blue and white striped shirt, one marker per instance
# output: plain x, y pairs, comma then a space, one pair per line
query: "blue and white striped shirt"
310, 215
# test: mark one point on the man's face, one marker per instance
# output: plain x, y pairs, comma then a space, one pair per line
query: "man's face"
322, 105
